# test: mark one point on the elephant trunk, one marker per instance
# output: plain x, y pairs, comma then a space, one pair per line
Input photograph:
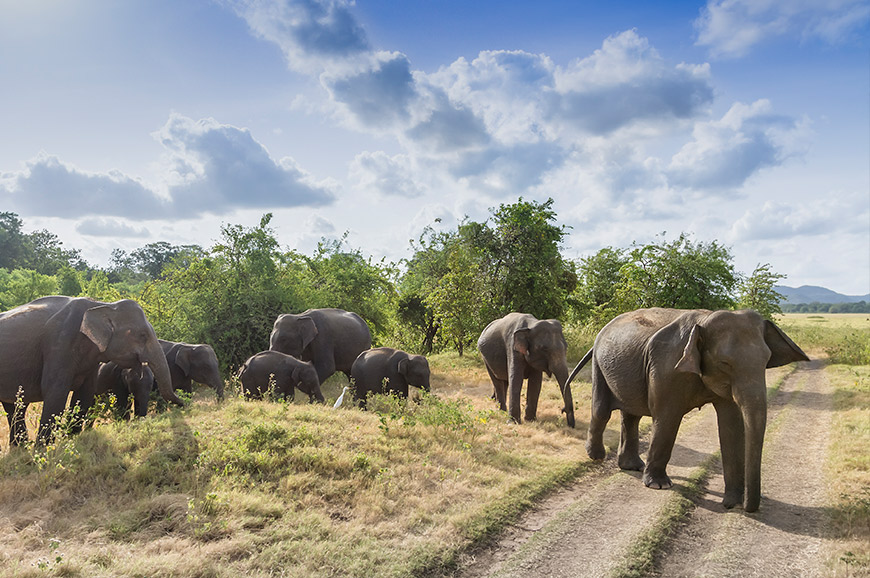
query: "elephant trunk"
561, 375
156, 360
755, 423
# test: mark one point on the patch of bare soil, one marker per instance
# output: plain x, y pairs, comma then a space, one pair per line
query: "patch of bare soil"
588, 529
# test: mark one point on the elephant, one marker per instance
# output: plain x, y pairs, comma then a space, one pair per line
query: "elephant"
137, 380
663, 363
398, 368
518, 346
54, 345
192, 362
287, 372
331, 339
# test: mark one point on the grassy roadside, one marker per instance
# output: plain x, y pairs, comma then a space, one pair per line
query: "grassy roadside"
275, 489
848, 469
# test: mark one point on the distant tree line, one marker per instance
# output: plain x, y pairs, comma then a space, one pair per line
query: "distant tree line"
816, 307
456, 281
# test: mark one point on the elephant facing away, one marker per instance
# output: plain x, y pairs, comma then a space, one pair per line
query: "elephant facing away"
665, 362
331, 339
287, 373
385, 369
54, 345
190, 362
518, 347
121, 382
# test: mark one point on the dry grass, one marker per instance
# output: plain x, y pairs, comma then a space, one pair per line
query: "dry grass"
273, 489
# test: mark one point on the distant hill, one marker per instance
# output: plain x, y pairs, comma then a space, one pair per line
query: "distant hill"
813, 294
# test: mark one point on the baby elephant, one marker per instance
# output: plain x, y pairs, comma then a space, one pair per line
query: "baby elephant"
387, 369
122, 382
285, 371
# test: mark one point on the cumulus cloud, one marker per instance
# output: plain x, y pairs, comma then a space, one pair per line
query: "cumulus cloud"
776, 220
312, 34
730, 28
208, 168
50, 188
381, 173
215, 167
725, 153
99, 227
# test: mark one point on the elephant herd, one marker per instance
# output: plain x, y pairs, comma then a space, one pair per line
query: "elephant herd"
651, 362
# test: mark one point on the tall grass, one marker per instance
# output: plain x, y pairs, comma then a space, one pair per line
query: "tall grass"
266, 488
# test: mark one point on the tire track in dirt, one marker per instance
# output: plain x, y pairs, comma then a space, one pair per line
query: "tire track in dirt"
785, 536
588, 528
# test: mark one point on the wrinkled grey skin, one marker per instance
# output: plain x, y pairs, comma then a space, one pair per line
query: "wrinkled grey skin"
398, 368
518, 346
54, 345
665, 362
190, 362
137, 380
331, 339
285, 371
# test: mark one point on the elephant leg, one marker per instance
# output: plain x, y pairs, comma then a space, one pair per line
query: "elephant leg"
628, 457
732, 442
533, 393
52, 409
601, 410
499, 389
664, 434
83, 397
17, 426
122, 404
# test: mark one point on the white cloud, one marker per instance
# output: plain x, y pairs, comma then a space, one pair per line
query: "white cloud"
312, 34
382, 174
778, 220
51, 188
99, 227
731, 28
213, 167
725, 153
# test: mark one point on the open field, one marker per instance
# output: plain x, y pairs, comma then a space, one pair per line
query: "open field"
429, 487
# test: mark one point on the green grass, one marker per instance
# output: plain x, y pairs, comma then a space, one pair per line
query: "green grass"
267, 488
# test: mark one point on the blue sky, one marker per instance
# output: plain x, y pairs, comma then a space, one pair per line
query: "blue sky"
743, 121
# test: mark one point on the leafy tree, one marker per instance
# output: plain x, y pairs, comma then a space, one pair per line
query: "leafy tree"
21, 286
757, 292
12, 241
598, 277
69, 281
526, 265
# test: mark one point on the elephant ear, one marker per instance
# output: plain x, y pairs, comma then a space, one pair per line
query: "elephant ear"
403, 366
182, 360
309, 331
782, 349
690, 362
521, 340
97, 326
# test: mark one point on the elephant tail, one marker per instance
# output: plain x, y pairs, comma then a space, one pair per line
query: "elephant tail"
579, 366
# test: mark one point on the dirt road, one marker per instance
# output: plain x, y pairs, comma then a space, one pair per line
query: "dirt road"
589, 528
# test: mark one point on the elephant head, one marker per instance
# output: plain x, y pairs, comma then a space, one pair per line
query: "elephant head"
140, 382
200, 363
123, 335
305, 377
415, 370
730, 351
291, 334
544, 348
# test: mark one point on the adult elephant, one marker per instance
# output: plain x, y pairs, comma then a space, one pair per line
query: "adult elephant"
138, 380
387, 369
54, 345
190, 362
284, 372
518, 347
665, 362
331, 339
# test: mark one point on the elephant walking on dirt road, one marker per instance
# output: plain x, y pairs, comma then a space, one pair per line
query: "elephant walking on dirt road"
665, 362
